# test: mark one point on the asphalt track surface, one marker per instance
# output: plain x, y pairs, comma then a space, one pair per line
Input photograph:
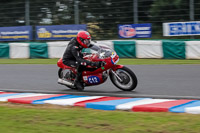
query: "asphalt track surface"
156, 81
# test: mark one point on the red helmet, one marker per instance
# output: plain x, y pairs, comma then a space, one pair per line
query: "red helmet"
83, 38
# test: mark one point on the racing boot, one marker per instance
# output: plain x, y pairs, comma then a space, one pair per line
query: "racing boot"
77, 83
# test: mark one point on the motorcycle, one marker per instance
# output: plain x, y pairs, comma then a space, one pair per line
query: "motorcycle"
121, 76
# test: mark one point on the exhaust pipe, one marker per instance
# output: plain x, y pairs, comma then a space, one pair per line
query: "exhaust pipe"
64, 82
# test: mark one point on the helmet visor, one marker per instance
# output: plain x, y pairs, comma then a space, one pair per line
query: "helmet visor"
87, 42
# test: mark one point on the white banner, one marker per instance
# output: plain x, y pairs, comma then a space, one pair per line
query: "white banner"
181, 28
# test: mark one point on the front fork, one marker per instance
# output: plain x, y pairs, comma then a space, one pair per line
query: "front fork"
113, 71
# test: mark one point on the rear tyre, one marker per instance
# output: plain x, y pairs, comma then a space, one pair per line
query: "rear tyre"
128, 79
61, 75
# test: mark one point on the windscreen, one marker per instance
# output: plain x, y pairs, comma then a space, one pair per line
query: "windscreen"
104, 52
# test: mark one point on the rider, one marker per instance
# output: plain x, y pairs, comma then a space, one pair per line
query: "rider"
73, 56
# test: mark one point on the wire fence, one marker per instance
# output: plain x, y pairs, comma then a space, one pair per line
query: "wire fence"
102, 17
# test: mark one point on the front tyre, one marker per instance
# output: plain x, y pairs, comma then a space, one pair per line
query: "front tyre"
128, 80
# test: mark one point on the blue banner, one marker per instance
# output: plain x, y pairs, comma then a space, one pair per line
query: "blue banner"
181, 28
18, 33
134, 31
58, 32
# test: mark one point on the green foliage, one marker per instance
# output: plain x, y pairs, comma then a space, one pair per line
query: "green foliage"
102, 17
165, 10
28, 61
168, 11
10, 9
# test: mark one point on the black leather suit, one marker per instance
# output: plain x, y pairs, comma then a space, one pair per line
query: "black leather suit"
74, 58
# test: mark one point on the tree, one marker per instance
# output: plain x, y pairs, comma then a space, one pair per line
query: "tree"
52, 12
168, 11
106, 14
11, 12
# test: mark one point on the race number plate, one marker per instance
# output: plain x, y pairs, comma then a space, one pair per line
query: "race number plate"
93, 80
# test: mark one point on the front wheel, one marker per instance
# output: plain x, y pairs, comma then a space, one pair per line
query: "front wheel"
124, 79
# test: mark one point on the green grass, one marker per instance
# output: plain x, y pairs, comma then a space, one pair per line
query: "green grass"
28, 61
56, 119
121, 61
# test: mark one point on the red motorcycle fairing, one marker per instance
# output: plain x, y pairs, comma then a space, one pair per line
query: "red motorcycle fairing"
110, 63
115, 67
93, 79
63, 66
125, 80
90, 78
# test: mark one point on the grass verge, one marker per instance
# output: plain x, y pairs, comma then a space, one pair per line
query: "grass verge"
127, 61
16, 118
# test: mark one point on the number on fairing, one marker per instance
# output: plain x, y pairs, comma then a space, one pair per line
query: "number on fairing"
93, 80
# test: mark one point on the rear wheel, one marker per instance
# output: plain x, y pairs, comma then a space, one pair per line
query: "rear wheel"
62, 75
124, 79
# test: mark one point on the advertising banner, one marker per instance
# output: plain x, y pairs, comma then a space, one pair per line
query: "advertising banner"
18, 33
134, 31
58, 32
181, 28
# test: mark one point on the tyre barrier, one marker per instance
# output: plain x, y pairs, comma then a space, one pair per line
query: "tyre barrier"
158, 49
106, 102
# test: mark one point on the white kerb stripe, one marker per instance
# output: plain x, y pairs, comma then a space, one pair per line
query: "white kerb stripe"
4, 99
130, 105
71, 101
193, 110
